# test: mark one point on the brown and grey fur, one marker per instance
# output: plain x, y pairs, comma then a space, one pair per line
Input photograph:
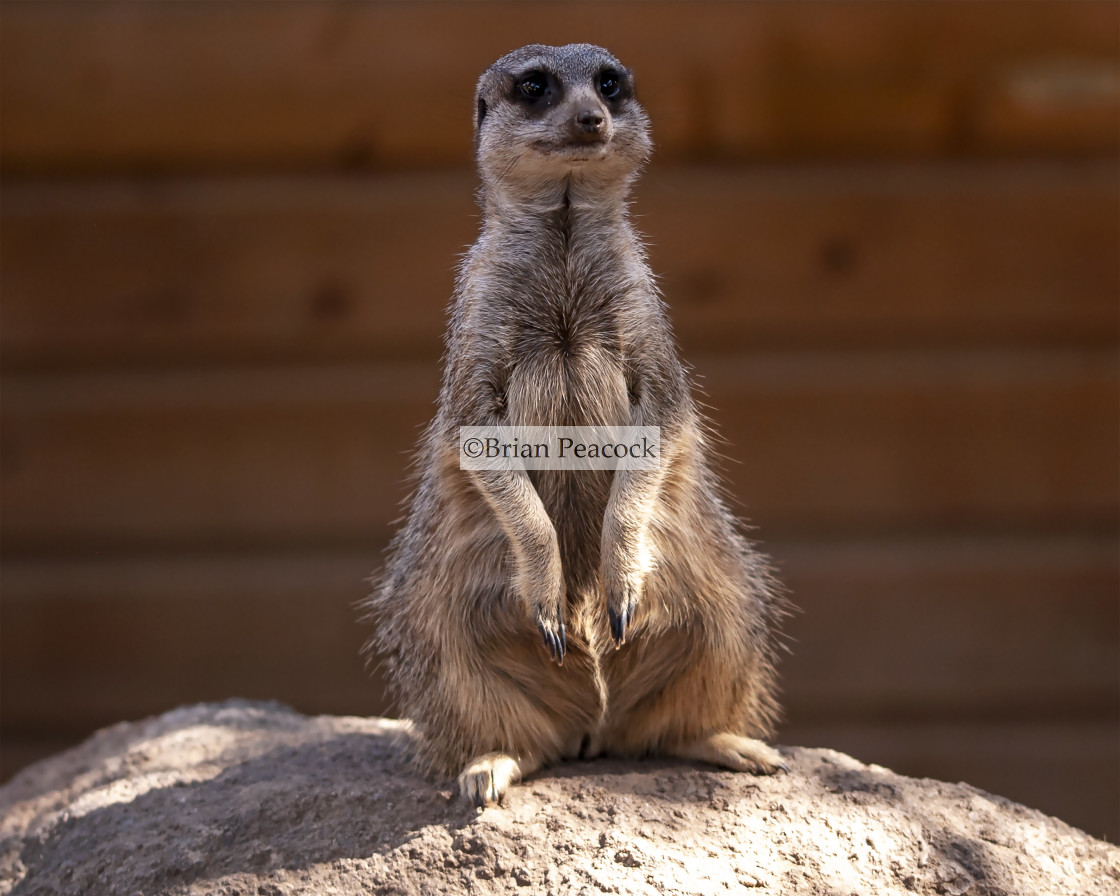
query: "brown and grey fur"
526, 617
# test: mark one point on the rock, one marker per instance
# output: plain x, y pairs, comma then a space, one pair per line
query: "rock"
250, 798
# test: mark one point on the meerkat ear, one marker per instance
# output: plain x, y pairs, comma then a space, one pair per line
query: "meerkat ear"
481, 112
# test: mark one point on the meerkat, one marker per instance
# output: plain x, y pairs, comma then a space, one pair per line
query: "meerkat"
525, 617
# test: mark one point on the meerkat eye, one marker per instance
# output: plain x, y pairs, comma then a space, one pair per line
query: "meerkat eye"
534, 85
610, 84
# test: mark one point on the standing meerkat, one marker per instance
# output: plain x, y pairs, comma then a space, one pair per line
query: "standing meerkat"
530, 616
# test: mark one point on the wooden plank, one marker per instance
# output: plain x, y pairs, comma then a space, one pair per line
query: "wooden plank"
1064, 768
316, 268
936, 442
174, 630
1001, 629
891, 255
215, 458
819, 444
97, 86
996, 628
239, 269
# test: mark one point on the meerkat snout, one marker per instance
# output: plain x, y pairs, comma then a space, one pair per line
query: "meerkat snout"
588, 125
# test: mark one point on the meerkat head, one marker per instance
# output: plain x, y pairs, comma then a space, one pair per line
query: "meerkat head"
547, 115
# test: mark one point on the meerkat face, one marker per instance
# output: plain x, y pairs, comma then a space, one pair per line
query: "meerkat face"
546, 112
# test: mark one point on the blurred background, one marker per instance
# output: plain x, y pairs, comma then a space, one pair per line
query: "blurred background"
888, 233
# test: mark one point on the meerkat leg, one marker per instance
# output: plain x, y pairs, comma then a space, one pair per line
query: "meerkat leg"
538, 572
738, 753
486, 778
626, 554
626, 548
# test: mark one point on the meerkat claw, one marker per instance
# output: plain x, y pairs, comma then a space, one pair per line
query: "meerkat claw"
486, 779
555, 641
619, 623
486, 793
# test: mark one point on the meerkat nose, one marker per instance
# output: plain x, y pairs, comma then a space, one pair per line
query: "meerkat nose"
589, 123
589, 119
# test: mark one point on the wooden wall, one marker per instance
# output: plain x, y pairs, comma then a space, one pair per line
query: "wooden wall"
888, 233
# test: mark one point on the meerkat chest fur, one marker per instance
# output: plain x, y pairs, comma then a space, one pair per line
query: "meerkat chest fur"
549, 297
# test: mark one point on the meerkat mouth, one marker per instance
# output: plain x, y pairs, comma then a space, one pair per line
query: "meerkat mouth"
574, 152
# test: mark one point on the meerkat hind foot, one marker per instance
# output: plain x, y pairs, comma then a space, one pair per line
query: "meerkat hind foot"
738, 753
486, 778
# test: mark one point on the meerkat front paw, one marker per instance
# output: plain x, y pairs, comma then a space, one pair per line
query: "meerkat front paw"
627, 559
622, 601
548, 613
486, 778
624, 575
549, 616
555, 638
738, 753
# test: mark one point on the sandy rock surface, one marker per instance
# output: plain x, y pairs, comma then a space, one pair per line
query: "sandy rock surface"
248, 798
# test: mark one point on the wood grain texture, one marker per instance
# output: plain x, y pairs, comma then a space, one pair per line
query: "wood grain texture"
193, 271
885, 632
95, 86
815, 443
996, 628
925, 622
